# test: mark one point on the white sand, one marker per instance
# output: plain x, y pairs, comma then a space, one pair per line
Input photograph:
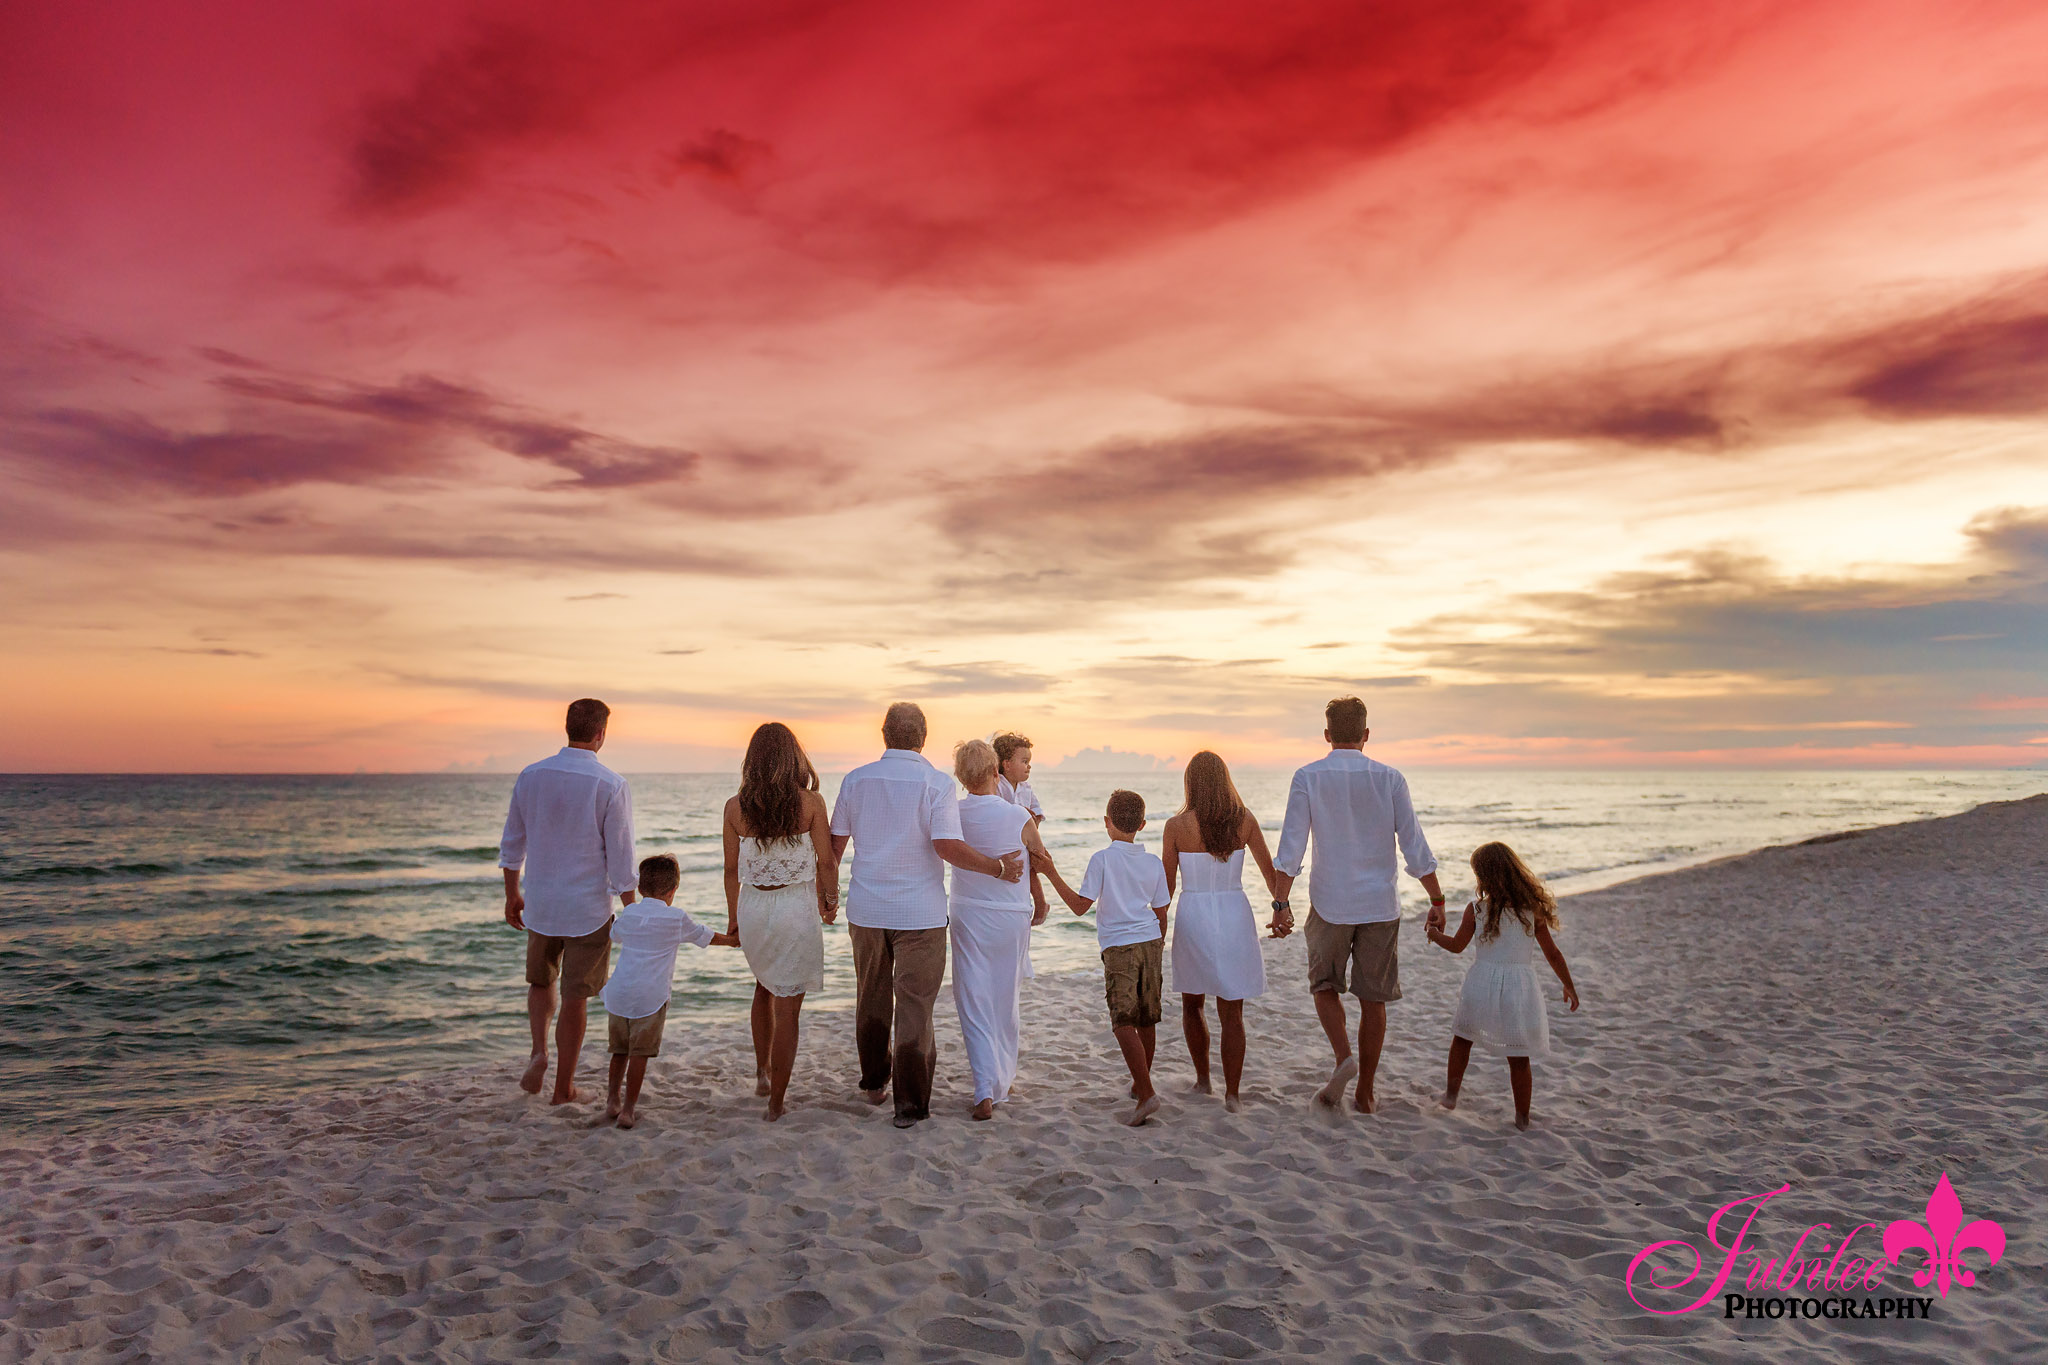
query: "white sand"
1853, 1017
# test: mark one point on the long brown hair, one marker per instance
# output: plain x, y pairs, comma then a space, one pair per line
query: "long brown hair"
1211, 797
773, 779
1506, 885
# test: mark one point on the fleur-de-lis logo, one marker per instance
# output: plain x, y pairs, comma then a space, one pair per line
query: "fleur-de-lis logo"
1942, 1242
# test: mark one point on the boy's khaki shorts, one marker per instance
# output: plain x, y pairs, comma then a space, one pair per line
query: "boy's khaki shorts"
1369, 954
1134, 979
582, 962
638, 1037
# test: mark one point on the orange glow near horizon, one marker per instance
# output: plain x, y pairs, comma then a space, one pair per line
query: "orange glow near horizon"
1583, 384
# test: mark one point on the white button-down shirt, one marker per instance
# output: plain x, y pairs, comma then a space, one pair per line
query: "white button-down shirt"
1127, 882
892, 809
648, 933
1019, 794
571, 826
1357, 809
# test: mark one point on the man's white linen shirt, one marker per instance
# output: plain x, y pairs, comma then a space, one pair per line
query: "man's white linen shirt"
1019, 794
892, 809
571, 825
1127, 882
1357, 809
648, 932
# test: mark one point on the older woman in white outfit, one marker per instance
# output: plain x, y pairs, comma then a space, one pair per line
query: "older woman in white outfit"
991, 923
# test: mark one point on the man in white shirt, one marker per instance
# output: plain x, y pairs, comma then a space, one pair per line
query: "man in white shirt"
1356, 810
570, 826
902, 816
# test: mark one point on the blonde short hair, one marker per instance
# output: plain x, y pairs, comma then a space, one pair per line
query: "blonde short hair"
974, 762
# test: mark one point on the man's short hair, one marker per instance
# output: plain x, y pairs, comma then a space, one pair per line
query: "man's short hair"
1126, 810
1346, 719
903, 726
974, 762
660, 875
587, 720
1009, 742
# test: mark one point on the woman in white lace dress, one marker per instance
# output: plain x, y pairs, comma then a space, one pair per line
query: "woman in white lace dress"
781, 889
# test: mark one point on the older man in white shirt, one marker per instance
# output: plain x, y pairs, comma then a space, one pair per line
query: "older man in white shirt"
1357, 810
570, 827
902, 817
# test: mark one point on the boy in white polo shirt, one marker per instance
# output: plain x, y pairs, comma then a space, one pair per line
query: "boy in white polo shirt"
648, 932
1126, 887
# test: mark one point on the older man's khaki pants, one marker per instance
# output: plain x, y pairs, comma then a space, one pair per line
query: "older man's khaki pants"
896, 978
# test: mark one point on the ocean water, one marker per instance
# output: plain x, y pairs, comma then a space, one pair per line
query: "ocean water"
177, 942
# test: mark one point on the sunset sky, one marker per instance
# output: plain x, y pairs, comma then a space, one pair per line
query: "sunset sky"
1633, 384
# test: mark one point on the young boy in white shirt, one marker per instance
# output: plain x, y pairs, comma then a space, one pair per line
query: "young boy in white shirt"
1126, 887
648, 932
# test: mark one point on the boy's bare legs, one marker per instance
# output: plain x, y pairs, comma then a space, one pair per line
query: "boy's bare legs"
1330, 1014
636, 1072
1230, 1013
783, 1011
1137, 1044
1372, 1036
1195, 1025
611, 1093
568, 1045
763, 1022
540, 1008
1522, 1083
1454, 1074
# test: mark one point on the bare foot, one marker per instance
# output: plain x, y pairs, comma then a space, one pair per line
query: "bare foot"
1450, 1099
1364, 1103
1201, 1087
1339, 1078
1522, 1121
536, 1071
575, 1096
1147, 1107
985, 1110
775, 1111
874, 1096
1232, 1103
761, 1086
611, 1109
626, 1119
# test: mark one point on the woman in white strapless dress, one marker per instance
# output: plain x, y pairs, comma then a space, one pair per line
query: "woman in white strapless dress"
1501, 1005
1215, 936
781, 889
989, 922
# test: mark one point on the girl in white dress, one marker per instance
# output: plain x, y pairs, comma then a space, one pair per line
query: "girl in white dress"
1215, 937
1501, 1007
990, 927
781, 889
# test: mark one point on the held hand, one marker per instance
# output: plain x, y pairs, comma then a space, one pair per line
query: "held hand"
1042, 863
1571, 997
515, 909
1013, 867
1436, 920
828, 911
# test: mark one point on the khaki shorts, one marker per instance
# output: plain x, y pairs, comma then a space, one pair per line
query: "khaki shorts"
583, 963
1371, 952
1134, 978
638, 1037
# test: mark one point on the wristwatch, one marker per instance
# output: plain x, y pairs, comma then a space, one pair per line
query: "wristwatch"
1281, 908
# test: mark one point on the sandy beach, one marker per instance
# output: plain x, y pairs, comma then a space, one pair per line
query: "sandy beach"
1852, 1017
